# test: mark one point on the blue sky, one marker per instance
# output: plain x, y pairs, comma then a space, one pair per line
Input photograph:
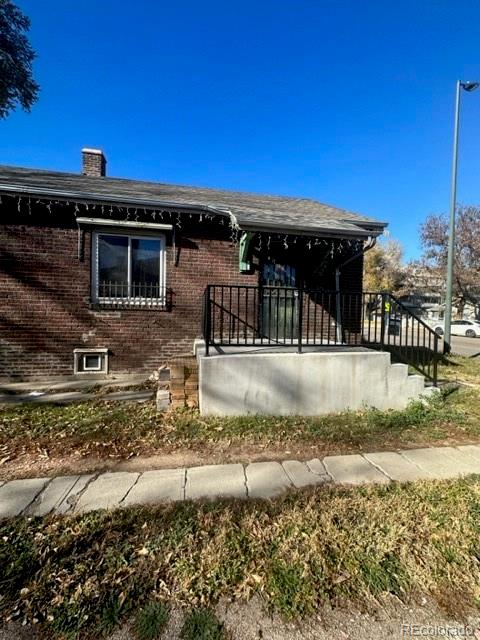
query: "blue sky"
347, 102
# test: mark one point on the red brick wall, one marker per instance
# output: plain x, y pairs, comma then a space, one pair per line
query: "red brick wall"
45, 309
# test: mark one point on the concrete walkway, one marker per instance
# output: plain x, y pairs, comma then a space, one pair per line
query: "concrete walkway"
68, 397
71, 389
81, 493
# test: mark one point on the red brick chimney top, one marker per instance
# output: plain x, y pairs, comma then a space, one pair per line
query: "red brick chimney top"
94, 162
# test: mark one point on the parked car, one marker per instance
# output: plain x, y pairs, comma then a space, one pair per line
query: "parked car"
469, 328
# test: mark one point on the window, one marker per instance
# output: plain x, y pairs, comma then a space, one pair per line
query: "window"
129, 270
90, 360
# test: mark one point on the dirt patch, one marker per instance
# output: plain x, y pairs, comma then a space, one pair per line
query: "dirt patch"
387, 620
31, 465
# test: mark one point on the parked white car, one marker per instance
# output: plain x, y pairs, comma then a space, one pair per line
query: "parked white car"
468, 328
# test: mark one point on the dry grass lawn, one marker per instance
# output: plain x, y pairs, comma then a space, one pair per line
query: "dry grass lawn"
80, 577
53, 439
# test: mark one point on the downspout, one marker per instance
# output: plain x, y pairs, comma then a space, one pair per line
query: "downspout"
370, 243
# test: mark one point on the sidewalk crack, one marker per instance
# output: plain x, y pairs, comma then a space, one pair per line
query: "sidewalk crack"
36, 496
125, 496
72, 500
245, 481
403, 453
289, 477
378, 468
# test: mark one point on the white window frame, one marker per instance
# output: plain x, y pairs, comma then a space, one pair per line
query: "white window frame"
89, 355
79, 356
129, 301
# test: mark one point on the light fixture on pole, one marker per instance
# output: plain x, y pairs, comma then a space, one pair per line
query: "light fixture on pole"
466, 86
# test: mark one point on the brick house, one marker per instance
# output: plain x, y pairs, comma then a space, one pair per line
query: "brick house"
101, 272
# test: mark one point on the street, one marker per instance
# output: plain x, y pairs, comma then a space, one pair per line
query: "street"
466, 346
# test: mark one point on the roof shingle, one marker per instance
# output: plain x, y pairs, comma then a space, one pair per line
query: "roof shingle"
251, 211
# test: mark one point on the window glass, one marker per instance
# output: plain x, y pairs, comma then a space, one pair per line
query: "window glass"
129, 267
112, 265
92, 362
145, 266
274, 274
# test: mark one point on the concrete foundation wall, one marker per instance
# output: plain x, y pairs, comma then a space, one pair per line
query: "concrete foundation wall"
303, 384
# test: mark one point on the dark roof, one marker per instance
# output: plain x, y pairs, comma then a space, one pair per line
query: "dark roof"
251, 211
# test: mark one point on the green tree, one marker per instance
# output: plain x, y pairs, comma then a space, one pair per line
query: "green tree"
17, 85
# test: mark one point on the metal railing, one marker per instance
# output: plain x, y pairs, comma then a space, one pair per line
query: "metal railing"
133, 295
247, 315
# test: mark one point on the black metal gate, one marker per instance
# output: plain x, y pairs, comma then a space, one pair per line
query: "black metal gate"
279, 301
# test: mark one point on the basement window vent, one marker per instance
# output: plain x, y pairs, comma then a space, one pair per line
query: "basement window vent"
90, 361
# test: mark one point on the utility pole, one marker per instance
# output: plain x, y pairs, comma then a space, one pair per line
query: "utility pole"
466, 86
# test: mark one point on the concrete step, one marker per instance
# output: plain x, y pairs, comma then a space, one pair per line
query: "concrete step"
415, 386
397, 373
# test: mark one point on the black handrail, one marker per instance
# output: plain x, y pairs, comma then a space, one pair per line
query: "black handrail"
249, 315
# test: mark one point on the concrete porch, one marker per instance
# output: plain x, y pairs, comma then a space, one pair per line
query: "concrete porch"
276, 380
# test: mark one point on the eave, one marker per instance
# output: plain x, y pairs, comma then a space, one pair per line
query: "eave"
355, 229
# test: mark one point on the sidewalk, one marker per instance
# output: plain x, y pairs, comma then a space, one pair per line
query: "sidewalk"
81, 493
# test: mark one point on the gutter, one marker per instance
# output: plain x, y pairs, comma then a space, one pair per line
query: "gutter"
321, 232
359, 232
106, 200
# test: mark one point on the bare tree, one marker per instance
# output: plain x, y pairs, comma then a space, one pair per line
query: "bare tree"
434, 237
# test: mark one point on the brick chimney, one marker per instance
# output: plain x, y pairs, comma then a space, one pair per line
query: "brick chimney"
94, 162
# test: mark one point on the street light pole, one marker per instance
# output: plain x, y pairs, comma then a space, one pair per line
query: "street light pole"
467, 86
